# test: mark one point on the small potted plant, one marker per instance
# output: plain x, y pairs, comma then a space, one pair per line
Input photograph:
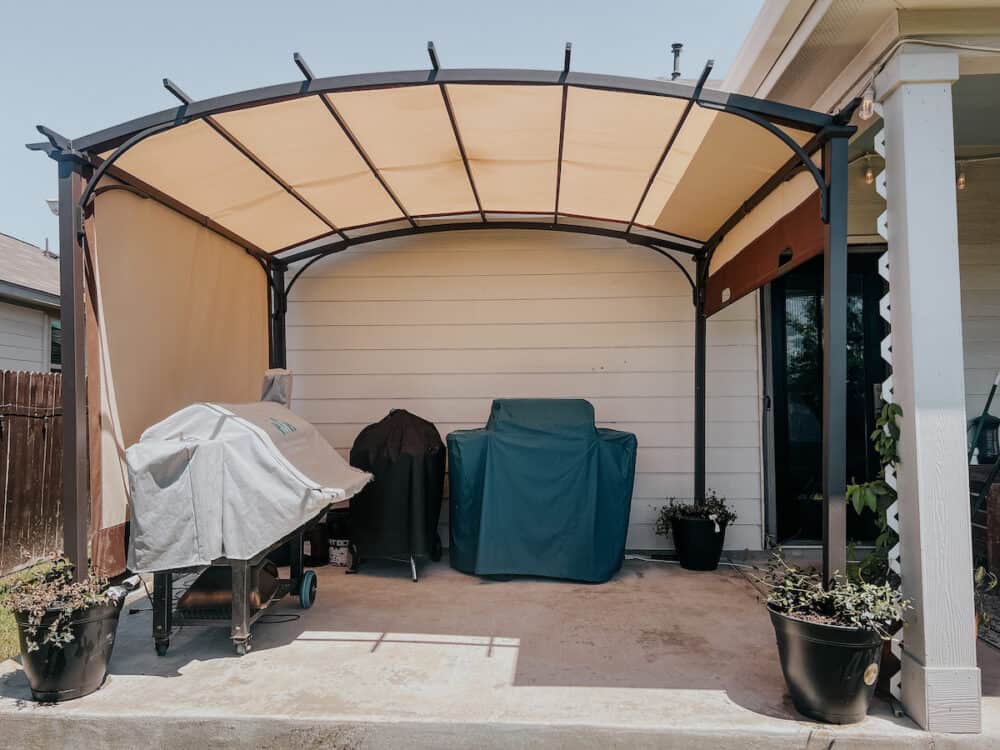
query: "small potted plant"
830, 638
66, 628
699, 530
984, 581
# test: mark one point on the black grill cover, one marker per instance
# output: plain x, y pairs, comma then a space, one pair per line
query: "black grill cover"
397, 514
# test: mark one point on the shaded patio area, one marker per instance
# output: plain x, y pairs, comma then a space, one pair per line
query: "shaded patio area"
658, 657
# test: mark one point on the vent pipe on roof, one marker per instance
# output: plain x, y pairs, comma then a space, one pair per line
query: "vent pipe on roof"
676, 48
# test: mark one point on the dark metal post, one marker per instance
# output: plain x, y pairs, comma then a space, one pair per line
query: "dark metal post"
700, 325
278, 309
75, 467
835, 360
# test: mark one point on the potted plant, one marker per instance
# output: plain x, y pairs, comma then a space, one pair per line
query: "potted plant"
66, 628
699, 530
983, 581
830, 638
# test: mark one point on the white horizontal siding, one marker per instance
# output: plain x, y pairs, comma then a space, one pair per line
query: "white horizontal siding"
24, 339
441, 325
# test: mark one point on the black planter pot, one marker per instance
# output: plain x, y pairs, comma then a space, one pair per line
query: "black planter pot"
698, 544
830, 670
79, 667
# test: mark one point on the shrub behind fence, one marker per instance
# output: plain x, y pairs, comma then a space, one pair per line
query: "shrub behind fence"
30, 467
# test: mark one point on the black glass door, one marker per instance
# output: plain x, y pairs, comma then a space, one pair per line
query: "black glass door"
797, 351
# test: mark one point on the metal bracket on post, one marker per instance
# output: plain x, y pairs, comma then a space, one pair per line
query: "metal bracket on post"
278, 310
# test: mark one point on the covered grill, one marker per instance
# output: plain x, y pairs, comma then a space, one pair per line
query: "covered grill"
397, 514
223, 485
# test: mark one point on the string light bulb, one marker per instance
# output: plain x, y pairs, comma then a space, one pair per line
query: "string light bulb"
960, 181
869, 172
867, 108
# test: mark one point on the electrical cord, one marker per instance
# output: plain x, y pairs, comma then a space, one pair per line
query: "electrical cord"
883, 60
677, 562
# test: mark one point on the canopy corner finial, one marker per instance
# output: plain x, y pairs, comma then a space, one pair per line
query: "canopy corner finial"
566, 57
432, 53
176, 90
303, 66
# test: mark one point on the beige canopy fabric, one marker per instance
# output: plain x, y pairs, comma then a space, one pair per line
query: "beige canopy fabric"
179, 315
342, 164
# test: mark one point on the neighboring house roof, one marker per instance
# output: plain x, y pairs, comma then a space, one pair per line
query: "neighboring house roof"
29, 275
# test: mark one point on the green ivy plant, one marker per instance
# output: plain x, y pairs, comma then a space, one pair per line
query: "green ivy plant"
801, 595
984, 581
714, 509
877, 495
48, 592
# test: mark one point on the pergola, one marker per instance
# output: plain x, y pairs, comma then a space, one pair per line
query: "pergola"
290, 173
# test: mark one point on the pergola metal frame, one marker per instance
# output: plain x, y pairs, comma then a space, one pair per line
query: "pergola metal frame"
81, 168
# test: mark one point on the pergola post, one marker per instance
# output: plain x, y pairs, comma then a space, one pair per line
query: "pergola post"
75, 465
940, 682
700, 331
835, 359
279, 307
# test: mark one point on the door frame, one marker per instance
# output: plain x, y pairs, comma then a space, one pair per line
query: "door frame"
767, 430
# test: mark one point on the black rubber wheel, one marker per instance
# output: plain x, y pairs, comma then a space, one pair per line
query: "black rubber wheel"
352, 550
161, 648
307, 589
437, 550
242, 647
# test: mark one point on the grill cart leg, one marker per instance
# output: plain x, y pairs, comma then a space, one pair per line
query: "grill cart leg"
240, 632
297, 559
163, 606
413, 569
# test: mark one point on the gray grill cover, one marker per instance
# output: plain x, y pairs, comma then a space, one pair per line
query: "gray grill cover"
215, 480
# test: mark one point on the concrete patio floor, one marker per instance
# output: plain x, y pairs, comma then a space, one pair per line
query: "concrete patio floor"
658, 657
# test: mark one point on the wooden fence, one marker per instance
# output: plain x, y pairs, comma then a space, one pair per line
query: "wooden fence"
30, 467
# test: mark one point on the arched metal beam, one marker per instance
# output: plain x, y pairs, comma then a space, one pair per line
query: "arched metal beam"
775, 112
315, 254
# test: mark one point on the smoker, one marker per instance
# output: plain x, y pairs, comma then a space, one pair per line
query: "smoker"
396, 516
217, 487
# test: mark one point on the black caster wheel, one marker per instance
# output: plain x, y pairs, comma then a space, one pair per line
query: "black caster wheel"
352, 550
161, 648
307, 589
437, 550
242, 647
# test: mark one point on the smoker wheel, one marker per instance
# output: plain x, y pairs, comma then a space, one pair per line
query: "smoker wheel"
307, 589
161, 647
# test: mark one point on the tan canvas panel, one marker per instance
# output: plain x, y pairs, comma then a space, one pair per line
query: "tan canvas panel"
511, 136
407, 134
611, 146
183, 318
786, 197
734, 158
198, 167
302, 142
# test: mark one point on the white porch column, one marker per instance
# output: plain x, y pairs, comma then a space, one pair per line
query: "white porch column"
940, 680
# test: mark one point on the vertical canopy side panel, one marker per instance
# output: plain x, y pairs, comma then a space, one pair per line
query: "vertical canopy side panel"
181, 317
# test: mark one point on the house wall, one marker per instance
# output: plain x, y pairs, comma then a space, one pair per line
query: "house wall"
24, 338
441, 324
979, 258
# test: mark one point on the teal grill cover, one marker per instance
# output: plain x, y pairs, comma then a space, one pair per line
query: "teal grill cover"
540, 491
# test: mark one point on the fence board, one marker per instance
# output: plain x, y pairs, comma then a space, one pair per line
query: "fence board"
30, 460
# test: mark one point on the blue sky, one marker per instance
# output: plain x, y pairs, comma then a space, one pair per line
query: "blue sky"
77, 67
